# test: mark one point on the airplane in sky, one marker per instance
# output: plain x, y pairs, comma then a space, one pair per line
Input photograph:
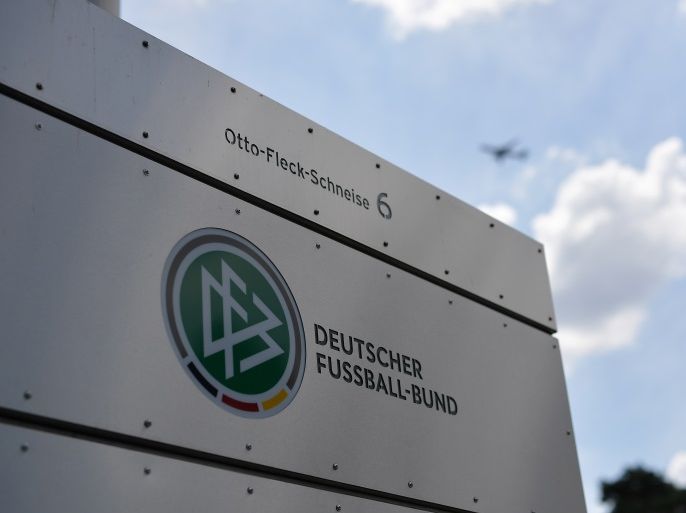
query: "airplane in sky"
505, 151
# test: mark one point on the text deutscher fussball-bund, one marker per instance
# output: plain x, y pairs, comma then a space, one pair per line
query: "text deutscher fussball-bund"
350, 358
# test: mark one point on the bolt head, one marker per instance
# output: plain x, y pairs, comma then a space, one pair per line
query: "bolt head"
233, 89
38, 126
475, 499
146, 172
39, 86
146, 471
248, 447
236, 176
238, 211
147, 423
338, 507
316, 212
335, 466
410, 484
310, 130
145, 135
24, 447
250, 490
27, 395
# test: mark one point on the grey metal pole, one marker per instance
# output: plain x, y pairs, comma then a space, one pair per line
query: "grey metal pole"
111, 6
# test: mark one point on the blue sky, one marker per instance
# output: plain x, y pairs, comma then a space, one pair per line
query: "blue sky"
594, 89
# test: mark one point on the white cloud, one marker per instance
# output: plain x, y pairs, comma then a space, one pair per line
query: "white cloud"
405, 16
193, 4
540, 179
501, 211
676, 470
565, 155
598, 507
682, 7
614, 235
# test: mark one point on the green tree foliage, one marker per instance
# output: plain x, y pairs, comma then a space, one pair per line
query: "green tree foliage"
642, 491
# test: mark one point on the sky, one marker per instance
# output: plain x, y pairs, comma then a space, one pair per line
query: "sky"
595, 92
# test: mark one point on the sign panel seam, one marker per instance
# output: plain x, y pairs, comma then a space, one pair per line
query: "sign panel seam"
103, 436
215, 183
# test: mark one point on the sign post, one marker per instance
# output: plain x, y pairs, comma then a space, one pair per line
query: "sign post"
215, 290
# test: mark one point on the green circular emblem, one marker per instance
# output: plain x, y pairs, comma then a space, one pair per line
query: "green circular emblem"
234, 323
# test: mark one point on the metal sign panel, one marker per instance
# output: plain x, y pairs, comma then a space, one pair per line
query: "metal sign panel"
67, 474
408, 389
109, 73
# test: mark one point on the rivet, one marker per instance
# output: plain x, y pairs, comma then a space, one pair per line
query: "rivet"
145, 135
450, 301
385, 244
501, 296
310, 130
540, 250
146, 172
39, 86
248, 447
475, 499
233, 89
569, 433
250, 490
316, 212
38, 126
446, 272
24, 447
338, 507
378, 166
147, 423
550, 319
410, 484
145, 44
438, 196
27, 395
554, 346
504, 325
317, 245
146, 471
388, 275
491, 225
238, 211
236, 176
